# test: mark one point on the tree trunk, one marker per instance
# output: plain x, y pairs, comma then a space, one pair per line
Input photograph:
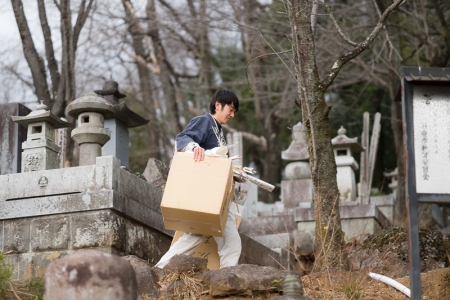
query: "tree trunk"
329, 237
35, 62
264, 109
165, 71
145, 81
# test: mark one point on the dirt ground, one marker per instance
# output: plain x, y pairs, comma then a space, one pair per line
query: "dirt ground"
347, 285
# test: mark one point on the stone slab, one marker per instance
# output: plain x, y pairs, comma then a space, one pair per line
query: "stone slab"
293, 192
50, 233
346, 212
145, 243
16, 238
267, 225
98, 229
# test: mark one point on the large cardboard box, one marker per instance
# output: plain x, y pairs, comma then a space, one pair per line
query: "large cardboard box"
197, 194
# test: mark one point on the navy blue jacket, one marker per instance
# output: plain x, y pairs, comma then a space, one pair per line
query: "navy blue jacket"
200, 130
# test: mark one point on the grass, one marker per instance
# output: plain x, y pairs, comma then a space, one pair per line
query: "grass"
351, 289
5, 277
35, 286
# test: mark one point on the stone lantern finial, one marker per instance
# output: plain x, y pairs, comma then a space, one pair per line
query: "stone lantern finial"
342, 131
42, 106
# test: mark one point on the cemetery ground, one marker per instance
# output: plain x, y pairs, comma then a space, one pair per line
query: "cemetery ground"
384, 253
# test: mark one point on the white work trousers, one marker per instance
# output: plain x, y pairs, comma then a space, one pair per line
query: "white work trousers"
229, 246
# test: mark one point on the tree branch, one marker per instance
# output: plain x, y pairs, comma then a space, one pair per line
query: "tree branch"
139, 59
343, 59
83, 14
335, 23
177, 18
35, 62
49, 51
259, 56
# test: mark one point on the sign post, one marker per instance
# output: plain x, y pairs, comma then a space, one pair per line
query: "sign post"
426, 141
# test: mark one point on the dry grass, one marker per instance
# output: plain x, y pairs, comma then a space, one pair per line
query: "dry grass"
181, 285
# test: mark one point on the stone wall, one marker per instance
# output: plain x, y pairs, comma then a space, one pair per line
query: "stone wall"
30, 244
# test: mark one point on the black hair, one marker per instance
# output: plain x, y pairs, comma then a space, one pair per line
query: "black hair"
224, 97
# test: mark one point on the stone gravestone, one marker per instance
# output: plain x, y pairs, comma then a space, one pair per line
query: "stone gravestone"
11, 136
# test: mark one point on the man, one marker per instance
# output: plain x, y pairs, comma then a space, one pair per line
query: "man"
205, 133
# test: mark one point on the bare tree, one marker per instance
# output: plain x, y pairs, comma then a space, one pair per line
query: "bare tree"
329, 237
62, 83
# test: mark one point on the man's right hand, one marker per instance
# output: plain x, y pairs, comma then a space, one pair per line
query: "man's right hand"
199, 154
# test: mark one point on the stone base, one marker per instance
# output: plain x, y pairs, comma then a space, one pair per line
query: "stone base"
30, 244
356, 221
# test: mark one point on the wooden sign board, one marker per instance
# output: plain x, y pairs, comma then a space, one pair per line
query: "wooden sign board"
426, 141
426, 117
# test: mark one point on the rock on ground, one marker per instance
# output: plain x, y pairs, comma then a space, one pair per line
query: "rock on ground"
145, 278
156, 173
90, 275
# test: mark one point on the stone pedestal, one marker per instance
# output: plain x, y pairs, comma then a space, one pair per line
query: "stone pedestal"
356, 220
45, 215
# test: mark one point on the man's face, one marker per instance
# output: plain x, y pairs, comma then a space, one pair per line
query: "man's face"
225, 113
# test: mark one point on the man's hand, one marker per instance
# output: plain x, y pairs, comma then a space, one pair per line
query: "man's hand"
199, 154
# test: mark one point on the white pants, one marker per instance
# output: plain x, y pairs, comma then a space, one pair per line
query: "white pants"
229, 246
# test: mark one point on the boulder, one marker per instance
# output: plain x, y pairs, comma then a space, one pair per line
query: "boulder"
156, 173
90, 275
145, 277
185, 263
246, 280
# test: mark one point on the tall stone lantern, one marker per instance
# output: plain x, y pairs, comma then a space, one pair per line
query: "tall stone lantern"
39, 150
123, 119
90, 111
346, 164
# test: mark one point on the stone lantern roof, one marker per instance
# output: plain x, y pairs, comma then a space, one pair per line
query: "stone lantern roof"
110, 92
41, 114
343, 141
90, 103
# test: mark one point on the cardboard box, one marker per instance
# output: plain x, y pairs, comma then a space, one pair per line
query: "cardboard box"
197, 194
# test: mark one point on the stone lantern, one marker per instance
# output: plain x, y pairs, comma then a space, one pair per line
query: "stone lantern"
346, 164
39, 150
119, 123
90, 111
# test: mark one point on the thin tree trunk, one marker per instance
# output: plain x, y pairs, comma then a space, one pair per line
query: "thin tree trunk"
264, 110
145, 81
329, 237
49, 52
165, 70
35, 62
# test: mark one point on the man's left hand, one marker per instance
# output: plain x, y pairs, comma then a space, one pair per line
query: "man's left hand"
199, 154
